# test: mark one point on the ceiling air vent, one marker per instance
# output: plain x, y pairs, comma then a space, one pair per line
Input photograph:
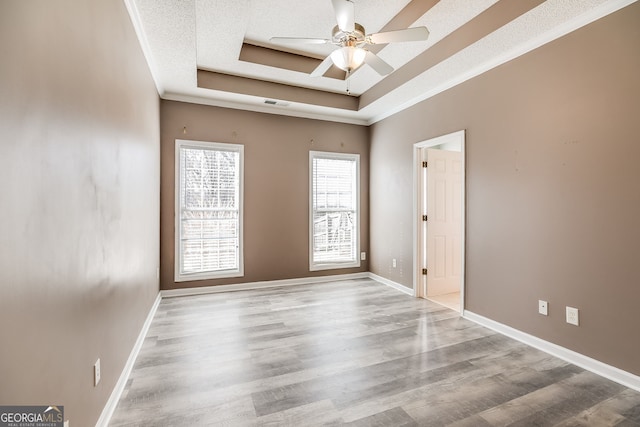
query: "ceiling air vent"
272, 102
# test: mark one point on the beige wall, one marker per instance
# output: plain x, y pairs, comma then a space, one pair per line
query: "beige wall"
79, 190
276, 187
553, 188
553, 195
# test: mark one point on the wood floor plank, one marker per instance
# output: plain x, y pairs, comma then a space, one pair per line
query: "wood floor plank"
350, 352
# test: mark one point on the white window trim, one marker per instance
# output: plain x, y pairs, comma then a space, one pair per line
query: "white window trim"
239, 272
333, 265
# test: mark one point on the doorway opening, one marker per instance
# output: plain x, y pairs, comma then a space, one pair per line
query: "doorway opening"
439, 229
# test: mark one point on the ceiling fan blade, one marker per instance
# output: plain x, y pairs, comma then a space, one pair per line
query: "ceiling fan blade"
377, 64
322, 68
345, 15
298, 40
408, 35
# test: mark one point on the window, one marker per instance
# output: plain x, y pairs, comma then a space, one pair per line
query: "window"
208, 210
334, 210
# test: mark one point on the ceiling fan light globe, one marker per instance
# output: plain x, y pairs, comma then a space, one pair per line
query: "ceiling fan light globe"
348, 58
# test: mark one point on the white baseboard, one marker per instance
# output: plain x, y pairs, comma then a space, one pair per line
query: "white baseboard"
259, 285
284, 282
392, 284
625, 378
107, 411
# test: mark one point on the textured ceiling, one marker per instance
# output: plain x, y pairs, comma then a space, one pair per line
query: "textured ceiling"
180, 37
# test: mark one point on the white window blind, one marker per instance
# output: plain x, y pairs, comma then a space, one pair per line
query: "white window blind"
334, 228
209, 210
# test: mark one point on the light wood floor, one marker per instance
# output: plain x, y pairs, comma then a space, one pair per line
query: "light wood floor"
351, 353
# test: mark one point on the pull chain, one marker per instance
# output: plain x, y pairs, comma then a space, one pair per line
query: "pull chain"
348, 82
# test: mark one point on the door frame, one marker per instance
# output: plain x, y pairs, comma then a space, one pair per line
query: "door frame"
419, 245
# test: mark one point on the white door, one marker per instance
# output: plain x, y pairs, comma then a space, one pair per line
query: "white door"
443, 225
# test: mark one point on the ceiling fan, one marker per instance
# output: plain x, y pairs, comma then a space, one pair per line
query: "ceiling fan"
351, 38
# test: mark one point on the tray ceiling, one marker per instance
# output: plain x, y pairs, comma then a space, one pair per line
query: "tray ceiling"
217, 52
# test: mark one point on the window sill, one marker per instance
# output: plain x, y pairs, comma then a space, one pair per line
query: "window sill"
333, 266
208, 276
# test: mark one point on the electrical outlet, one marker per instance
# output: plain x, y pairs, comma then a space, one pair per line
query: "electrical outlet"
96, 373
394, 263
572, 316
363, 256
543, 307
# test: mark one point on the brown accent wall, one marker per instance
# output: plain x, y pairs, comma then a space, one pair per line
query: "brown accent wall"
553, 193
276, 187
79, 190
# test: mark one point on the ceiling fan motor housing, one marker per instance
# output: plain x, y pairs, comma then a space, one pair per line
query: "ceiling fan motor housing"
353, 38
